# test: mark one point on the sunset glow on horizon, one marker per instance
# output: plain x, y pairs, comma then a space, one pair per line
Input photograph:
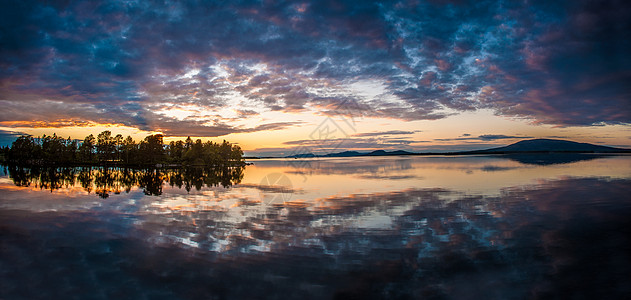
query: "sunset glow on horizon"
319, 76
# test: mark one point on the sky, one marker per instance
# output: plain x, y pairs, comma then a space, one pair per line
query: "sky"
282, 78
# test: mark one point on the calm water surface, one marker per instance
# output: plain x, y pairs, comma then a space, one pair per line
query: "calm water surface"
478, 227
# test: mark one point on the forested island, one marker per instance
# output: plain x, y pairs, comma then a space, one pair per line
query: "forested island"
108, 150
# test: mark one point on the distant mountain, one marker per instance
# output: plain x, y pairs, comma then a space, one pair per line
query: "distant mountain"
548, 145
526, 146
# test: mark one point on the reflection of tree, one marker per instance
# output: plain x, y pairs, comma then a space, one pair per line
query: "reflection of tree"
151, 182
85, 178
21, 176
45, 178
127, 179
52, 179
105, 181
200, 177
68, 175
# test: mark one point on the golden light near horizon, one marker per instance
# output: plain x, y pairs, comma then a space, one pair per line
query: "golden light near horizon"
457, 132
80, 132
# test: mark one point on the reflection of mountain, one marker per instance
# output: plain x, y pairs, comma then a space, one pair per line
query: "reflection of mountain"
104, 181
354, 153
547, 146
361, 167
551, 158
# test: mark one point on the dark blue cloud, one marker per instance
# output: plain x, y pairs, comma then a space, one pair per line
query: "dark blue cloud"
561, 62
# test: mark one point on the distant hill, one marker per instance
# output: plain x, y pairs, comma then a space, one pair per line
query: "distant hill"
384, 153
343, 154
548, 145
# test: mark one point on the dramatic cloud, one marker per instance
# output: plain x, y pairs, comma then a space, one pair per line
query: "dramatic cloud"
136, 63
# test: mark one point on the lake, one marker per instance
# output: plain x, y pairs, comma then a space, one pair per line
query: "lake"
401, 227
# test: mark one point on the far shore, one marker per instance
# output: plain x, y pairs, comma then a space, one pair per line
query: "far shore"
469, 153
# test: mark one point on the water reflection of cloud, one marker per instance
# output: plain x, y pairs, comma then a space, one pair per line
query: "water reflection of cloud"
424, 213
449, 240
564, 237
272, 188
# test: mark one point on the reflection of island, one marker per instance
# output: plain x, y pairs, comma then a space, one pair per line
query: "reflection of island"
104, 181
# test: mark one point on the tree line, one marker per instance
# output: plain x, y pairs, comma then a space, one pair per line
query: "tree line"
105, 149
